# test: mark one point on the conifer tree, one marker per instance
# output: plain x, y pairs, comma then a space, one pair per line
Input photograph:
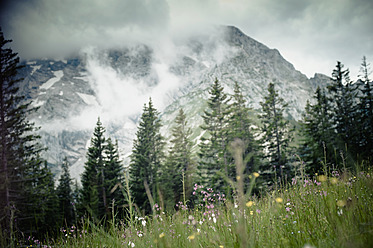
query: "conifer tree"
365, 119
343, 98
93, 194
176, 178
65, 196
146, 159
213, 154
319, 136
239, 126
277, 134
22, 171
113, 176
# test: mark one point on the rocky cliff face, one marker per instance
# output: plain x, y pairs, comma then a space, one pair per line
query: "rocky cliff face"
114, 84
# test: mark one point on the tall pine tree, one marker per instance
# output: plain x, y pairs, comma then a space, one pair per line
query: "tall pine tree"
277, 134
93, 194
319, 136
365, 118
113, 177
177, 172
240, 126
26, 184
65, 196
214, 154
343, 98
146, 159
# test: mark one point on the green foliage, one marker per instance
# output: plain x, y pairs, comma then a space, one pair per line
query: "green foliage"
343, 99
147, 157
93, 196
113, 182
319, 136
102, 177
179, 165
365, 113
65, 196
321, 211
277, 135
213, 147
240, 127
27, 197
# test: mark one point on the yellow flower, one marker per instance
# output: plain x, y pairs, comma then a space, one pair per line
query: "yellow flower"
256, 174
221, 246
322, 178
238, 178
249, 204
341, 203
334, 180
191, 237
161, 235
251, 212
279, 200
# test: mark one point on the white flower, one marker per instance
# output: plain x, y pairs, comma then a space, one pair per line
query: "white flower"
131, 244
143, 222
214, 220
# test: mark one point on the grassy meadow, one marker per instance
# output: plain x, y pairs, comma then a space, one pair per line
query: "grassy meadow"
330, 210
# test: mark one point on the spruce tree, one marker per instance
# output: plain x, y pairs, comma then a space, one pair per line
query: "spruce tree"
343, 98
65, 196
146, 159
176, 179
239, 126
113, 171
213, 153
93, 194
365, 118
277, 134
23, 173
318, 145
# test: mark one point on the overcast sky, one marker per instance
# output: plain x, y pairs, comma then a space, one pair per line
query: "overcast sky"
310, 34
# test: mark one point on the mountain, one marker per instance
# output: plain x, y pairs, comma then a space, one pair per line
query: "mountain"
115, 84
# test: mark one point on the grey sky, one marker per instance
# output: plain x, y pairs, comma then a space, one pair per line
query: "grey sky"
311, 34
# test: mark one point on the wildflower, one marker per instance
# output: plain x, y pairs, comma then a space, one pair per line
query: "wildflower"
322, 178
191, 237
249, 204
258, 211
333, 180
341, 203
214, 219
256, 174
251, 212
131, 244
161, 235
287, 209
238, 178
279, 200
143, 222
221, 246
293, 181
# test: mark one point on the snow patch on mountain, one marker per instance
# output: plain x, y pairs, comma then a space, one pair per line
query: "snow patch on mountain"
57, 77
88, 99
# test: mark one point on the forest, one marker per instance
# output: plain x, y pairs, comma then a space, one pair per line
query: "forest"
243, 158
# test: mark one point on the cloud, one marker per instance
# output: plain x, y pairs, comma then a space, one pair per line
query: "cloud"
310, 34
56, 28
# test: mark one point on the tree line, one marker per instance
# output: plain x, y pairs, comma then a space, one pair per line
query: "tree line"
335, 133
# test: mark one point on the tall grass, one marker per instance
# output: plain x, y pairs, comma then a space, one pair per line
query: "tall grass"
334, 211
